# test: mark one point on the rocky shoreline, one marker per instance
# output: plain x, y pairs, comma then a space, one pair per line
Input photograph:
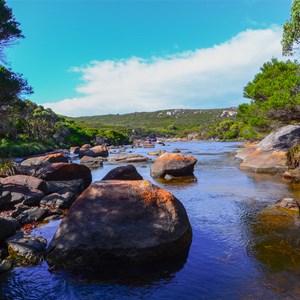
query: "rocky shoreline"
46, 187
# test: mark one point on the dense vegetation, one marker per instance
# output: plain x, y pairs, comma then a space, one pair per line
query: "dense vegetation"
168, 123
25, 127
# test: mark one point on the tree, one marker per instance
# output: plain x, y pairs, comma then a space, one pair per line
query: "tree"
275, 96
291, 30
12, 86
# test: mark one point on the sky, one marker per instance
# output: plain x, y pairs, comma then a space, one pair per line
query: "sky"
94, 57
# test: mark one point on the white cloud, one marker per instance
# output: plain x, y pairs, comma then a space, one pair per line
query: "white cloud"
204, 78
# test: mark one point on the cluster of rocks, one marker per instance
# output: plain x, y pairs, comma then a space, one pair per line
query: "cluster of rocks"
44, 188
269, 156
121, 219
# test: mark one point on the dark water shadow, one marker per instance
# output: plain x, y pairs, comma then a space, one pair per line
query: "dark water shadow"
131, 275
177, 181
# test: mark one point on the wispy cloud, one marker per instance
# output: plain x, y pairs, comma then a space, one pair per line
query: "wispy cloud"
204, 78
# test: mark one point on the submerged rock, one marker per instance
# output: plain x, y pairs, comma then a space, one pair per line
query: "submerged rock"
120, 222
128, 172
26, 249
173, 164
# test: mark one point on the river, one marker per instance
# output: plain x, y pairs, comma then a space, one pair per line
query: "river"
229, 257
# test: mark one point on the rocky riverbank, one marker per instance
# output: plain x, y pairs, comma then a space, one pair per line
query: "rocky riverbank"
45, 187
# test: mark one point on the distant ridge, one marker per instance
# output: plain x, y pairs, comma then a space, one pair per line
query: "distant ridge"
170, 121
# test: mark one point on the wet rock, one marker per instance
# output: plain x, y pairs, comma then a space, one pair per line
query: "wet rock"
44, 159
292, 175
59, 200
157, 153
148, 146
19, 209
288, 203
75, 186
264, 162
74, 150
128, 172
26, 249
117, 222
281, 139
97, 151
30, 182
127, 159
5, 265
92, 162
5, 200
176, 151
32, 215
173, 164
64, 172
7, 227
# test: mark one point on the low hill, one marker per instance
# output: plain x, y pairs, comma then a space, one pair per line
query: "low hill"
169, 122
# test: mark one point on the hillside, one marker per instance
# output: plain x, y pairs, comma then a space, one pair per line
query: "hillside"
163, 122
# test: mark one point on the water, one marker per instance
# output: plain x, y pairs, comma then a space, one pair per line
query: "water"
233, 254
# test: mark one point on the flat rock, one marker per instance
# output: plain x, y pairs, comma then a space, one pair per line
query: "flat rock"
92, 162
157, 153
265, 162
27, 181
59, 200
44, 159
120, 222
128, 172
173, 164
127, 158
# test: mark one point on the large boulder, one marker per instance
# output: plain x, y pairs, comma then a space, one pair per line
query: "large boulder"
44, 159
281, 139
97, 151
120, 222
26, 181
128, 172
127, 159
173, 164
65, 171
264, 162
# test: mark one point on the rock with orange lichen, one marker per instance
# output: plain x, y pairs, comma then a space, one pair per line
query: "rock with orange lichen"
265, 162
173, 164
44, 159
120, 222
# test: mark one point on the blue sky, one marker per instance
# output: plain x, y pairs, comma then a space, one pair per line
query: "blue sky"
86, 57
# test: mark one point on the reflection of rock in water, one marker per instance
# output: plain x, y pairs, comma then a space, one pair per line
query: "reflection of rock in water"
276, 242
136, 275
170, 180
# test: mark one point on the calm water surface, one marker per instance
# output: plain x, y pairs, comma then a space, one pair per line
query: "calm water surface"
229, 257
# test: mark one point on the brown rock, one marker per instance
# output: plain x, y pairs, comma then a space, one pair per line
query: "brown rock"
45, 159
265, 162
27, 181
74, 150
173, 164
94, 152
116, 222
128, 172
157, 153
127, 159
92, 162
65, 171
